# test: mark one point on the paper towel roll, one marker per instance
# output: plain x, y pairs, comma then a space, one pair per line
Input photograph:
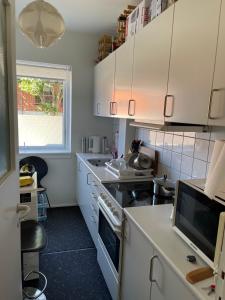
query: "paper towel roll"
216, 179
215, 155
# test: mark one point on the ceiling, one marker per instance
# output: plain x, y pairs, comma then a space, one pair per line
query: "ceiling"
94, 16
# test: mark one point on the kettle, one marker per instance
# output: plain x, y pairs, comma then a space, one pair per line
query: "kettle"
94, 144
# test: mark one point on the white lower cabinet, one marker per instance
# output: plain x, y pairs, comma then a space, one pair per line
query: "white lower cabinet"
136, 263
145, 273
165, 284
86, 198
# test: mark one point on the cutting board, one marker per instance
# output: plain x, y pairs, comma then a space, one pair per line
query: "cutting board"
153, 154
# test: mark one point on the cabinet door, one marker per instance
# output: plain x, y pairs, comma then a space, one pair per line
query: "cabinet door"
135, 266
195, 32
217, 105
98, 111
104, 87
151, 66
123, 79
166, 285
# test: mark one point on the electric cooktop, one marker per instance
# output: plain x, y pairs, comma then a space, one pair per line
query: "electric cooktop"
132, 194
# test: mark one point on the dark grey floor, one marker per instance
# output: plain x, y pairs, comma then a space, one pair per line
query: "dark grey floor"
69, 260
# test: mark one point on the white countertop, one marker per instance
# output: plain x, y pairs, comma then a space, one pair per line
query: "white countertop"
154, 222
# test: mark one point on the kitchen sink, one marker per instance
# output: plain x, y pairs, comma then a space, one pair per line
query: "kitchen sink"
98, 162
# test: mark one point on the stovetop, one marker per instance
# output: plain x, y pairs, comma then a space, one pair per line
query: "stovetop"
133, 194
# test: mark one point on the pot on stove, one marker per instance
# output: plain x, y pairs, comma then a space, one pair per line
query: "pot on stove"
163, 186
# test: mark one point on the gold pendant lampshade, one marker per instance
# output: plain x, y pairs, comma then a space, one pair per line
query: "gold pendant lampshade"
41, 23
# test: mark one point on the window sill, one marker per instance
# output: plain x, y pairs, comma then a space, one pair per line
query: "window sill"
46, 154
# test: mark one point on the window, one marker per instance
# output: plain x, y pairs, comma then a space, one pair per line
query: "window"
44, 107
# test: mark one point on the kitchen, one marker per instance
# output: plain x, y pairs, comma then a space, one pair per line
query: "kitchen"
168, 94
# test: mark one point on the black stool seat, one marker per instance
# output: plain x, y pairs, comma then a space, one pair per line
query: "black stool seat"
33, 236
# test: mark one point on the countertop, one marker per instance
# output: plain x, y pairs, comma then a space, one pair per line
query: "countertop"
154, 222
100, 172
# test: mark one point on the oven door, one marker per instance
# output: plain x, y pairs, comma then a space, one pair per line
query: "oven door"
110, 237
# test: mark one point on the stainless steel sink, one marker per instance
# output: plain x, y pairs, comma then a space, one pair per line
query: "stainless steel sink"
98, 162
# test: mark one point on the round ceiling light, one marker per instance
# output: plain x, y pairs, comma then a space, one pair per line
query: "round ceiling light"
41, 23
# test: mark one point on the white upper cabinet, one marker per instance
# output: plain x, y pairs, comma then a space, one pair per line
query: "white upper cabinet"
217, 105
123, 80
104, 87
194, 41
151, 66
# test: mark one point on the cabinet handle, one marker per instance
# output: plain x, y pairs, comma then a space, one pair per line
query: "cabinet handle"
88, 183
165, 106
211, 102
113, 108
129, 106
151, 269
98, 108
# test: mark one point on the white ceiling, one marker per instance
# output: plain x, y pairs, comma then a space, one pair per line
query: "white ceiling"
95, 16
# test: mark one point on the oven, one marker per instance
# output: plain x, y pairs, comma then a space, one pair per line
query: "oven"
109, 245
110, 239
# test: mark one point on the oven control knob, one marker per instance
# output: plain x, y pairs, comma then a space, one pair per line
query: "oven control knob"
103, 196
109, 204
115, 213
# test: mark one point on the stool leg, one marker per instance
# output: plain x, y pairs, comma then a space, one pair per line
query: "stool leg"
47, 199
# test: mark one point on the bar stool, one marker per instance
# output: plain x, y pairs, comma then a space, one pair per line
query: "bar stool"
33, 239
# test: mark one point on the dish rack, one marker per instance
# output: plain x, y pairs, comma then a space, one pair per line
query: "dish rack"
128, 172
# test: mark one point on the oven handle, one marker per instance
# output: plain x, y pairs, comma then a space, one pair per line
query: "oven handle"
115, 228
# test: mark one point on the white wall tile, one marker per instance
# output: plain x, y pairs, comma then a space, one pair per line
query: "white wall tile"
160, 153
167, 156
190, 134
211, 147
203, 135
182, 155
178, 143
199, 169
152, 137
176, 161
186, 165
188, 146
184, 176
201, 149
160, 139
168, 141
174, 175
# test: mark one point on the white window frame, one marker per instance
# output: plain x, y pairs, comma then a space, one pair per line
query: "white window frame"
67, 108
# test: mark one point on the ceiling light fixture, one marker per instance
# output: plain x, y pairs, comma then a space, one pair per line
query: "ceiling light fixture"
41, 23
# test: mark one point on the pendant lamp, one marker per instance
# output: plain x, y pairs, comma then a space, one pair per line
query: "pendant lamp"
41, 23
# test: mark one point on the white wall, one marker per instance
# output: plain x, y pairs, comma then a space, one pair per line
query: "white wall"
78, 50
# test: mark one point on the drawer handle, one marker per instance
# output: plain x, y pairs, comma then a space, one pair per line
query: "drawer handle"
98, 108
88, 182
113, 108
211, 102
165, 106
129, 107
151, 269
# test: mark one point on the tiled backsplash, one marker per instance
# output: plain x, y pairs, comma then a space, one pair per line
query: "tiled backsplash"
182, 155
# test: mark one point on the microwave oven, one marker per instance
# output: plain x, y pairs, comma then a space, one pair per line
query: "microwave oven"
199, 220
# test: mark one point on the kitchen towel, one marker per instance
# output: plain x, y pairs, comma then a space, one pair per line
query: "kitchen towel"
215, 181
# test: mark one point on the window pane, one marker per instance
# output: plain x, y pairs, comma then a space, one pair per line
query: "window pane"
40, 112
